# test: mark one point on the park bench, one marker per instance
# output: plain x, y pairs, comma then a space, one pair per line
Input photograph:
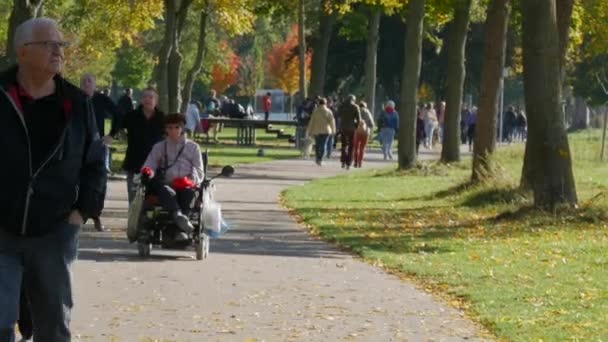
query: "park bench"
246, 129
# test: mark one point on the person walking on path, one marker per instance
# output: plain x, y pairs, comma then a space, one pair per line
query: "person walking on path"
321, 126
441, 120
125, 102
54, 179
363, 132
267, 106
522, 126
471, 122
349, 116
420, 134
193, 119
388, 122
509, 124
430, 125
104, 108
145, 127
464, 114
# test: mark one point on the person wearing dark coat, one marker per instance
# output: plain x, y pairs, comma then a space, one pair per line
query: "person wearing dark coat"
54, 178
104, 108
145, 127
349, 116
125, 102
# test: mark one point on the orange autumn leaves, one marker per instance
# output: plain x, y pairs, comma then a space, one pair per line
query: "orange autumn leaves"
282, 66
223, 76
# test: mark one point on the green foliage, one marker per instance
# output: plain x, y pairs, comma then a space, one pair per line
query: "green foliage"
527, 275
133, 67
5, 13
354, 26
587, 76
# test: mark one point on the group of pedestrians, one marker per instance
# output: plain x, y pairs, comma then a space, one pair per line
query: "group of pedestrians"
515, 125
353, 123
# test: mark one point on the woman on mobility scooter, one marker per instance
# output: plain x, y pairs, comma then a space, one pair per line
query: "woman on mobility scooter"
174, 169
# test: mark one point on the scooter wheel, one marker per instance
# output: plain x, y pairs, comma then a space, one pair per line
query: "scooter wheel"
202, 247
144, 249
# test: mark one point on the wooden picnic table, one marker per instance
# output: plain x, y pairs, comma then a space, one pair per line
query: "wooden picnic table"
246, 128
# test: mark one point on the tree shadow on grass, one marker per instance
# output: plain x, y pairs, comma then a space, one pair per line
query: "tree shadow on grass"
385, 230
494, 196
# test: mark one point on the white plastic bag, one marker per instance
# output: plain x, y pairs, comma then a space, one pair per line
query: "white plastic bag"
135, 214
212, 214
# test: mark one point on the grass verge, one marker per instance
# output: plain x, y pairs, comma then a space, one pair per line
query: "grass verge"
226, 152
526, 275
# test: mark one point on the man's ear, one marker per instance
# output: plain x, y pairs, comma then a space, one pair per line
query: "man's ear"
20, 53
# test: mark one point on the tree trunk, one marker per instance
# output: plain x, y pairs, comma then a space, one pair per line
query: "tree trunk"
321, 50
160, 70
455, 80
22, 11
581, 114
550, 164
302, 49
497, 23
198, 63
371, 61
173, 79
169, 58
564, 9
409, 84
175, 58
564, 18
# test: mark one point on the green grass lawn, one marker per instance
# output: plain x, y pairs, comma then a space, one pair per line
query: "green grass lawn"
525, 274
226, 152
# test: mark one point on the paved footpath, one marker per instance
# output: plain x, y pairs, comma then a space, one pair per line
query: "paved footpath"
266, 280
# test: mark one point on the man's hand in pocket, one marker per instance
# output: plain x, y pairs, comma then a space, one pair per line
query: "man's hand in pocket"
75, 218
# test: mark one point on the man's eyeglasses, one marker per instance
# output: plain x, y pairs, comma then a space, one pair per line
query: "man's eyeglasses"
50, 44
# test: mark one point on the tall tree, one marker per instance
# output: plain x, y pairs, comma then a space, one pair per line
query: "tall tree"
371, 59
302, 48
549, 158
200, 55
409, 84
497, 22
455, 79
321, 49
563, 12
22, 11
169, 57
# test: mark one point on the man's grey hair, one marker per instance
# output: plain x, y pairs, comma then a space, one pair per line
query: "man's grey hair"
25, 31
87, 75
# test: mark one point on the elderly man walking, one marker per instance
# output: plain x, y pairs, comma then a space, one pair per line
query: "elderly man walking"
349, 117
54, 178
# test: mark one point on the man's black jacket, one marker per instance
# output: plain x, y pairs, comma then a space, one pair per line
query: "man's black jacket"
36, 201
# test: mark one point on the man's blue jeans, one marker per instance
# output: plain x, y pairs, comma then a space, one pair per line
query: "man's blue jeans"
44, 265
320, 146
330, 145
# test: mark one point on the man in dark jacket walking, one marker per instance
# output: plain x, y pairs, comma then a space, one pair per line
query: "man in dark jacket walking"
54, 178
349, 115
125, 102
103, 108
145, 127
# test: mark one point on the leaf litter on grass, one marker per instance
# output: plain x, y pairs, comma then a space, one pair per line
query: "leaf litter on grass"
526, 274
